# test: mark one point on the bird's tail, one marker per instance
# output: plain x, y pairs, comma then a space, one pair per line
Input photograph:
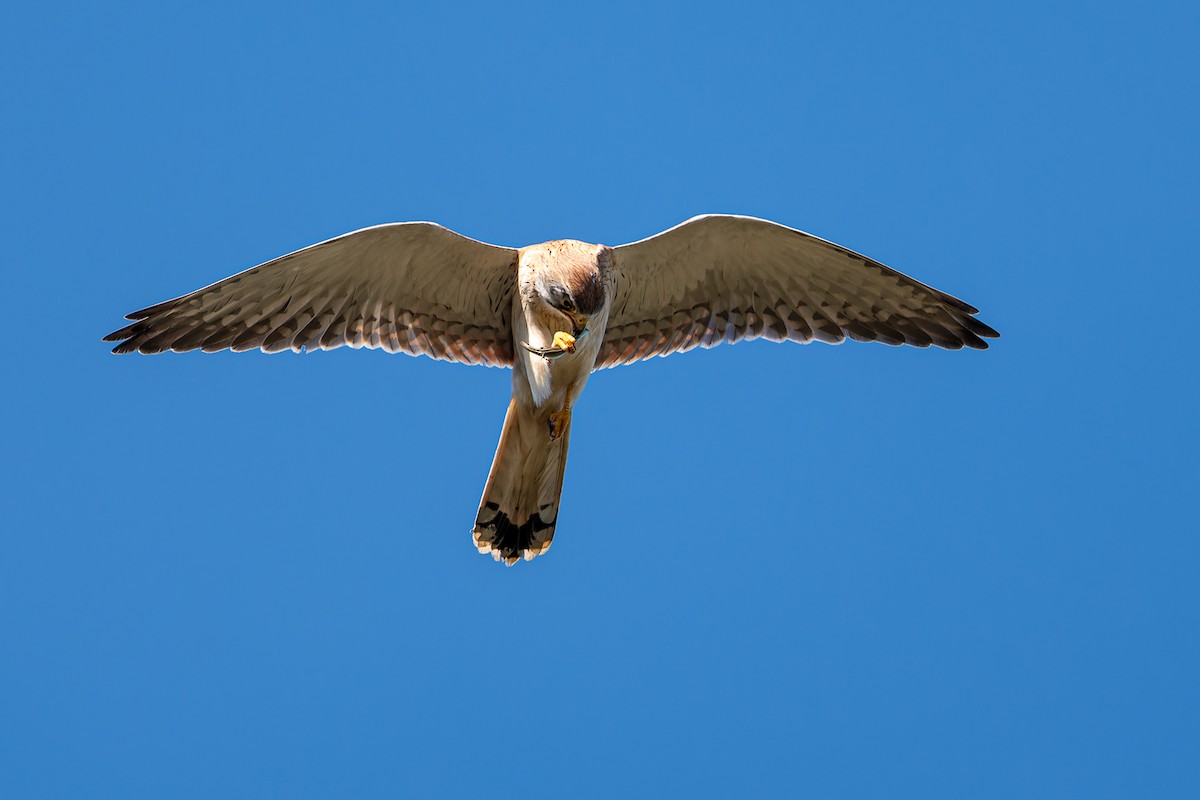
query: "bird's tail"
519, 508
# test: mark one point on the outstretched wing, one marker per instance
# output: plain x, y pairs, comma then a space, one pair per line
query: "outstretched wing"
725, 278
411, 287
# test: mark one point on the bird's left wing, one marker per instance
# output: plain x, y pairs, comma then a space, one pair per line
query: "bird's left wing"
411, 287
723, 278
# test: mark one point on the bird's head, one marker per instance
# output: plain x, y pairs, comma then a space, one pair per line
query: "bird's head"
567, 278
561, 299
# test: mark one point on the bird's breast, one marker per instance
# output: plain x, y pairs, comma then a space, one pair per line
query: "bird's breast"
550, 379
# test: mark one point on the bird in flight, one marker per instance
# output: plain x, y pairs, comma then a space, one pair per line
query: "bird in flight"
553, 312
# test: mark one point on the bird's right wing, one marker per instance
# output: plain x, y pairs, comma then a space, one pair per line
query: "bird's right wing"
411, 287
724, 278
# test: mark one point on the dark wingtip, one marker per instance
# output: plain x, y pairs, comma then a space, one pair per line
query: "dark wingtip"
124, 336
959, 304
148, 311
983, 329
974, 342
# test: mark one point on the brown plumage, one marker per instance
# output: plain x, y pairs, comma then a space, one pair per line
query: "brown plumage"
518, 512
554, 312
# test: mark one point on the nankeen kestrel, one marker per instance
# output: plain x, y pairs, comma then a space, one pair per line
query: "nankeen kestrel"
554, 312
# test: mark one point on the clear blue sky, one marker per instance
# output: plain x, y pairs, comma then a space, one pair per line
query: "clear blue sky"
834, 572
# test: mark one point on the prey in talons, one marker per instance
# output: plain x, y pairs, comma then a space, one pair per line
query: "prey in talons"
563, 343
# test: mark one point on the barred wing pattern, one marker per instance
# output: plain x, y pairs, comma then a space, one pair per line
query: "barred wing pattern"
412, 287
723, 278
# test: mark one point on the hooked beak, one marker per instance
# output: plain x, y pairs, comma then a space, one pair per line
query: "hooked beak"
580, 322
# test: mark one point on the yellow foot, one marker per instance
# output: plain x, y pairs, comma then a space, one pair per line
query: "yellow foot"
558, 422
565, 341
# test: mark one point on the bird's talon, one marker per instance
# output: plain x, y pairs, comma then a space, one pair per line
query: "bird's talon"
557, 423
564, 341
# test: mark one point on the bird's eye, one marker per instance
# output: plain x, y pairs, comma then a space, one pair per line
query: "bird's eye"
561, 299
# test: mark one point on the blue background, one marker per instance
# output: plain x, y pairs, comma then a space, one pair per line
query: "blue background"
851, 571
